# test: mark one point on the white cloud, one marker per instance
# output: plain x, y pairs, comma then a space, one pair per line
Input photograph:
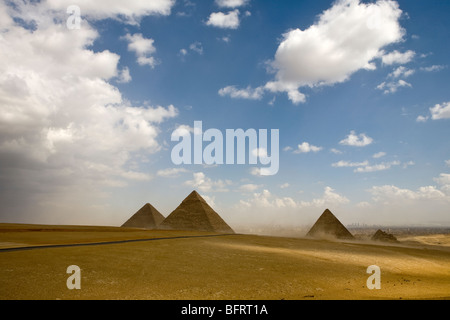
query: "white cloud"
256, 172
196, 47
288, 148
285, 185
444, 179
407, 164
171, 172
396, 57
211, 200
346, 38
401, 72
225, 39
63, 125
115, 9
228, 20
329, 198
447, 162
205, 184
248, 93
377, 167
440, 111
379, 155
341, 164
260, 153
183, 52
422, 118
249, 187
433, 68
355, 140
143, 48
335, 151
393, 194
392, 87
265, 199
231, 3
363, 204
124, 76
305, 147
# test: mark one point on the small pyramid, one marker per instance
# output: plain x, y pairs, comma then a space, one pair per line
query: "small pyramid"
380, 235
194, 213
329, 225
146, 217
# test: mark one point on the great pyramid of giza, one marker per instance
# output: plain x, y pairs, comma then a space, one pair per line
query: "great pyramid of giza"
194, 213
146, 217
329, 225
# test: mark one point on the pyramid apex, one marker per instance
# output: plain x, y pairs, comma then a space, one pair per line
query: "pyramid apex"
194, 195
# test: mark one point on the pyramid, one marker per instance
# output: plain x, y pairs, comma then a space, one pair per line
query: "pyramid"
383, 236
329, 225
194, 213
146, 217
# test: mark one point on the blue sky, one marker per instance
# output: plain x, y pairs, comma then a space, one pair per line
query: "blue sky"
358, 91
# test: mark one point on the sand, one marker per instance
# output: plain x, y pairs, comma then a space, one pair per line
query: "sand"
227, 267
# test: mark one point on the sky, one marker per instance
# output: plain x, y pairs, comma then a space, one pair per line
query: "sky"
92, 91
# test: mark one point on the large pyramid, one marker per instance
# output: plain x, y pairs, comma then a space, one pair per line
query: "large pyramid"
146, 217
329, 225
194, 213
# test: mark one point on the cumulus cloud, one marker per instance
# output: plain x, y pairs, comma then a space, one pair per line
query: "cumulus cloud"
346, 38
115, 9
249, 187
247, 93
433, 68
440, 111
396, 57
377, 167
201, 182
196, 47
305, 147
124, 76
443, 179
392, 86
344, 164
171, 172
401, 72
222, 20
65, 131
335, 151
421, 118
143, 48
356, 140
379, 155
265, 199
231, 3
391, 194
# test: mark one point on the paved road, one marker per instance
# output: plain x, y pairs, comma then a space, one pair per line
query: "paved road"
107, 242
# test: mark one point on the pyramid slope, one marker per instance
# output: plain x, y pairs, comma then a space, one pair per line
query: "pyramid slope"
380, 235
194, 213
329, 225
147, 217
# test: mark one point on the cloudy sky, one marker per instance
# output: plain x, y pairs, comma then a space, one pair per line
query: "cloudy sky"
359, 91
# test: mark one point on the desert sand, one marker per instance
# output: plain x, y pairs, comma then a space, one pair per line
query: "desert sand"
235, 266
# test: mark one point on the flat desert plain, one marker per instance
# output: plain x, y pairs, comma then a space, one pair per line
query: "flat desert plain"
200, 265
